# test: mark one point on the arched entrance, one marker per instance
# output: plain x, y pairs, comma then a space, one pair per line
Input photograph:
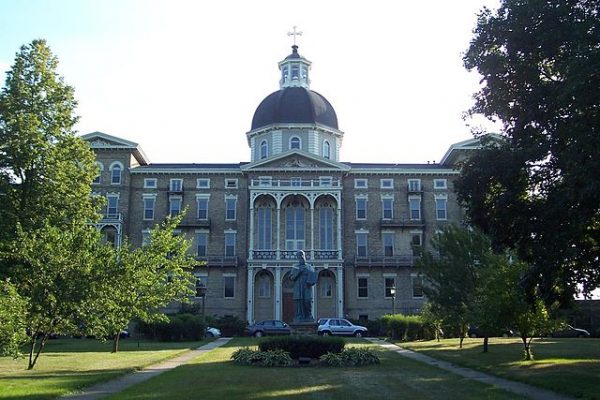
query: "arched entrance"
326, 294
263, 295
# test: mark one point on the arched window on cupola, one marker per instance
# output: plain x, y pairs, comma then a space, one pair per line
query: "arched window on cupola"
295, 143
326, 149
264, 149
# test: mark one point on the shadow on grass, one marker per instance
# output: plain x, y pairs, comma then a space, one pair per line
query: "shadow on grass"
125, 345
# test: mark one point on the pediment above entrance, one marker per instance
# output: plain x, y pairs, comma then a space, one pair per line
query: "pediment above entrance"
295, 161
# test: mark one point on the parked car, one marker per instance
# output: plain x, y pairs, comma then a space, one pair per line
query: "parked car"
212, 332
339, 326
268, 327
475, 332
567, 331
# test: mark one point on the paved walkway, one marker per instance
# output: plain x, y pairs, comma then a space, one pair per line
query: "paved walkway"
522, 389
111, 387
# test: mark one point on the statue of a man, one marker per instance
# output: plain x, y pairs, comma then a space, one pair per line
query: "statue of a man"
304, 277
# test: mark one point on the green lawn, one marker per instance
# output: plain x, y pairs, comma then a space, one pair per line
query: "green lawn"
569, 366
69, 364
214, 376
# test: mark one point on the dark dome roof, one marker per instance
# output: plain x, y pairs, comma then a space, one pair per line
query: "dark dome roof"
294, 105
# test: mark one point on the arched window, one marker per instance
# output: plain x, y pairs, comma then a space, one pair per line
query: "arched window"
264, 149
115, 173
326, 149
265, 218
326, 227
294, 226
98, 178
295, 143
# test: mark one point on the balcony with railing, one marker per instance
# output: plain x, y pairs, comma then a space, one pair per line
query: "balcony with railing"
295, 183
402, 223
402, 260
219, 261
112, 217
275, 255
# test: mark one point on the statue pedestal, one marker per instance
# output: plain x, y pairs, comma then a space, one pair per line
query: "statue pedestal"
303, 328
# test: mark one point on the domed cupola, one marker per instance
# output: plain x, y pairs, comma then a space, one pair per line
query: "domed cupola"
294, 117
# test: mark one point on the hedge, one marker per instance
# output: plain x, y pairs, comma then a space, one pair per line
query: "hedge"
303, 346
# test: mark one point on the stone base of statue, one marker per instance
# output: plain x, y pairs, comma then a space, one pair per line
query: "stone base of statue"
303, 327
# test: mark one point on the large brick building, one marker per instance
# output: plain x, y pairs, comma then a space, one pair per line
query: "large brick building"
361, 225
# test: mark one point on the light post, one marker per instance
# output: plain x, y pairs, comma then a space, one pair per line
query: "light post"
393, 293
201, 292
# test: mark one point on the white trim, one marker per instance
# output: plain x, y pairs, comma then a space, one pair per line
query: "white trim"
198, 180
147, 186
383, 181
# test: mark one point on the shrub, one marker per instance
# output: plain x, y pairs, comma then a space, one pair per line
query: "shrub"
272, 358
179, 327
404, 327
229, 325
374, 326
303, 346
352, 357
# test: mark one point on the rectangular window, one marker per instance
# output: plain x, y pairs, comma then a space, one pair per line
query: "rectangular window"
441, 212
414, 204
388, 244
416, 243
265, 181
361, 244
176, 185
150, 183
327, 289
230, 244
389, 284
360, 184
115, 175
325, 180
230, 207
145, 237
417, 286
229, 287
264, 288
387, 183
174, 206
112, 205
231, 183
97, 179
440, 184
203, 183
149, 207
361, 208
414, 185
363, 288
201, 244
388, 207
202, 206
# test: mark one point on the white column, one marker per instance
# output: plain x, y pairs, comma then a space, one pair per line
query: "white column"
251, 238
278, 302
340, 292
339, 231
278, 231
312, 230
250, 295
313, 306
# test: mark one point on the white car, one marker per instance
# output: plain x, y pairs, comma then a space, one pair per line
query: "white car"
212, 332
340, 326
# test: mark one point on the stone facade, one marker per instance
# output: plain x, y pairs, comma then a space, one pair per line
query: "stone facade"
361, 225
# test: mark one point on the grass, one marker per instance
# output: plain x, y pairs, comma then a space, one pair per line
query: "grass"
214, 376
67, 365
568, 366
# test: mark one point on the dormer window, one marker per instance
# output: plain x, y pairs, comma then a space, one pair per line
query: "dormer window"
264, 149
326, 150
295, 143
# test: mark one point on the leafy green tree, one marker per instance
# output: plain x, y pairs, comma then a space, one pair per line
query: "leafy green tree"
451, 272
54, 269
47, 246
12, 312
539, 191
138, 283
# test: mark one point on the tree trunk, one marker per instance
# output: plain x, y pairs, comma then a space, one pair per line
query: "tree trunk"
33, 360
485, 343
115, 347
527, 349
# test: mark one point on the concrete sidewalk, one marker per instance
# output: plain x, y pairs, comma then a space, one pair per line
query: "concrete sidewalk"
522, 389
111, 387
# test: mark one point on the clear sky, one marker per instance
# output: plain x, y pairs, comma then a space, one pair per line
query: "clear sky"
183, 78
